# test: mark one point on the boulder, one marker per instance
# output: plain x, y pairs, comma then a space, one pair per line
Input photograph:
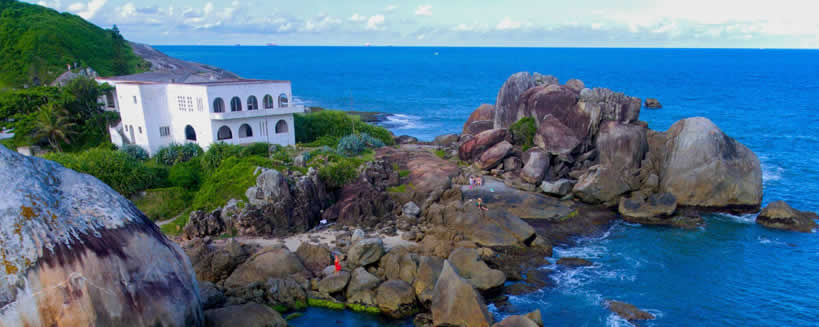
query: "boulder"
246, 315
362, 281
396, 299
653, 103
535, 168
494, 155
446, 139
275, 262
365, 252
486, 112
287, 293
215, 264
574, 262
478, 126
358, 235
512, 164
429, 175
621, 147
554, 137
334, 283
399, 264
541, 79
600, 184
411, 209
611, 105
365, 201
561, 103
507, 103
271, 186
469, 266
576, 85
516, 321
211, 296
628, 311
473, 148
656, 205
429, 268
780, 215
706, 168
456, 303
406, 139
314, 257
559, 188
203, 224
76, 253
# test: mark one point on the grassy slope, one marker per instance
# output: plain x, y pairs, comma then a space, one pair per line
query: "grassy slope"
38, 42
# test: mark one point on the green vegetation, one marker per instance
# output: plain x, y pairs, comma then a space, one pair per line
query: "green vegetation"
175, 226
293, 315
400, 188
327, 127
354, 144
136, 152
325, 304
36, 44
161, 203
114, 168
440, 153
523, 132
177, 153
231, 180
363, 308
403, 173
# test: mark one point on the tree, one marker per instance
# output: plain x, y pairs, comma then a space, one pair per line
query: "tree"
120, 63
53, 123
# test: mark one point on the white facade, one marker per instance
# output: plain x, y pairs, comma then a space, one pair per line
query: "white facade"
156, 114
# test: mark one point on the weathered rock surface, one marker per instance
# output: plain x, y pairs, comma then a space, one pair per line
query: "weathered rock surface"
76, 253
314, 257
246, 315
468, 264
484, 113
507, 102
336, 282
653, 103
474, 147
780, 215
456, 303
446, 139
429, 268
554, 137
516, 321
362, 281
215, 264
365, 202
275, 262
601, 185
576, 85
535, 167
203, 224
396, 299
494, 155
429, 175
610, 105
399, 264
557, 188
706, 168
574, 262
211, 296
406, 139
656, 205
628, 311
366, 251
287, 293
410, 209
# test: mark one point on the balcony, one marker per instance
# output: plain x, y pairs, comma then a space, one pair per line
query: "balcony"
256, 113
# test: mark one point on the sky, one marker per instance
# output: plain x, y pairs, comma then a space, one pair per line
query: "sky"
516, 23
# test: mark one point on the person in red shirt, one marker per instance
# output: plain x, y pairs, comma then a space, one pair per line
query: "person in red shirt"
337, 264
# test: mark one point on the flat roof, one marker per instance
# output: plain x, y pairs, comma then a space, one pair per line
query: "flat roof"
186, 79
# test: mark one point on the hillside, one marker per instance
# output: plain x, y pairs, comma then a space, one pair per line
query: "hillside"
36, 44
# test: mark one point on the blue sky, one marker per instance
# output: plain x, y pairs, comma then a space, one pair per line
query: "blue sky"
538, 23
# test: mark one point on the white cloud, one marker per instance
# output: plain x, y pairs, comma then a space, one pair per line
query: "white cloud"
321, 23
53, 4
358, 18
89, 10
463, 28
423, 10
390, 8
508, 24
208, 8
127, 10
420, 37
375, 21
77, 6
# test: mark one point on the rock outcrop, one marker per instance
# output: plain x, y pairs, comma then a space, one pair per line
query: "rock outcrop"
456, 303
508, 98
468, 264
628, 311
396, 299
653, 103
366, 251
705, 168
480, 120
76, 253
274, 262
365, 201
780, 215
246, 315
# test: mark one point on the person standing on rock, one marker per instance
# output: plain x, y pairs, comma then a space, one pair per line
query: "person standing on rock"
337, 264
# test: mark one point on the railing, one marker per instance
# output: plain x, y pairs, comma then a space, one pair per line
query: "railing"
256, 113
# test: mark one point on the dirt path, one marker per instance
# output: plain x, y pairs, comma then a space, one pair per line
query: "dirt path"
326, 237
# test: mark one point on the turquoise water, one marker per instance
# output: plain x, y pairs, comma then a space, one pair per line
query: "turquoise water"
730, 272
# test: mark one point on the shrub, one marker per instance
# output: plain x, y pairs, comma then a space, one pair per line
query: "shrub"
523, 132
337, 174
217, 153
115, 168
176, 153
135, 151
353, 145
231, 180
255, 149
327, 124
164, 203
187, 175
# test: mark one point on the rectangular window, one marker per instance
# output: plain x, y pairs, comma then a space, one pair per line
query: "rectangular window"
189, 104
199, 105
180, 103
165, 131
109, 99
140, 129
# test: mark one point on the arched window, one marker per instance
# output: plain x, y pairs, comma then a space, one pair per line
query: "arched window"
252, 104
224, 133
235, 104
281, 127
282, 100
190, 134
268, 101
218, 105
245, 131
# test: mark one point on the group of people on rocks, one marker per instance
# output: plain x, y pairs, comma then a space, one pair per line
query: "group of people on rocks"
477, 181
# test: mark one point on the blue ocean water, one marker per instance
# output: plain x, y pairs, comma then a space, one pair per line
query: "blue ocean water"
729, 273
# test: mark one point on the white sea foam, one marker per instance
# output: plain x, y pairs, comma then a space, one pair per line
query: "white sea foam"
771, 172
401, 121
744, 219
613, 320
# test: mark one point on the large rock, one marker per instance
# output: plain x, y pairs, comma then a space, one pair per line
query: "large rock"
275, 262
494, 155
554, 137
628, 311
485, 113
211, 296
706, 168
76, 253
474, 147
557, 188
410, 209
600, 184
456, 303
473, 269
362, 281
334, 283
202, 224
399, 264
246, 315
516, 321
535, 167
287, 293
611, 105
576, 85
507, 102
314, 257
446, 139
656, 205
366, 251
365, 201
780, 215
621, 147
429, 176
561, 103
653, 103
477, 127
396, 299
429, 268
215, 264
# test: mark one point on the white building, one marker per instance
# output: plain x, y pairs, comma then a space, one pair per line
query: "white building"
158, 109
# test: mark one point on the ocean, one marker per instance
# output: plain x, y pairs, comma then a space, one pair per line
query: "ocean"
731, 272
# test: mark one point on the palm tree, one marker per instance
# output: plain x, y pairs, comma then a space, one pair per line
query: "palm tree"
52, 123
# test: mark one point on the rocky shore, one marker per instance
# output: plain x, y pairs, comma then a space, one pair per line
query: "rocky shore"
416, 236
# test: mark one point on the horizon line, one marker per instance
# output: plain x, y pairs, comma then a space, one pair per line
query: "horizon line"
475, 46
